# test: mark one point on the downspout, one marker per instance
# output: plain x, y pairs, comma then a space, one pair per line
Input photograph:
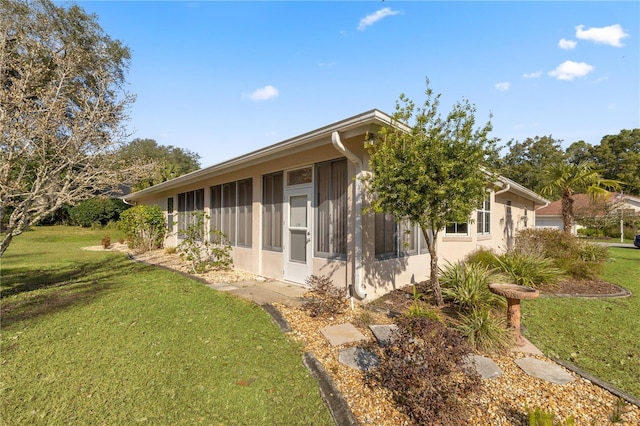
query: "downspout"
358, 284
503, 190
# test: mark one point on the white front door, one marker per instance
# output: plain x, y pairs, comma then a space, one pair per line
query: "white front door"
297, 226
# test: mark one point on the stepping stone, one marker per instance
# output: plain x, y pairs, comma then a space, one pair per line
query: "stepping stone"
549, 371
341, 334
358, 358
484, 366
384, 333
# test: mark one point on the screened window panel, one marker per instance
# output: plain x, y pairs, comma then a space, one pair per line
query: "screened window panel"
245, 198
331, 208
323, 217
272, 211
339, 197
170, 214
182, 209
229, 211
407, 238
385, 235
215, 208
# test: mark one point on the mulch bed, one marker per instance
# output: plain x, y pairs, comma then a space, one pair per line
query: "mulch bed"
584, 288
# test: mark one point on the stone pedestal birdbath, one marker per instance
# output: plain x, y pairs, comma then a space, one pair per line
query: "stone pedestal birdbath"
514, 294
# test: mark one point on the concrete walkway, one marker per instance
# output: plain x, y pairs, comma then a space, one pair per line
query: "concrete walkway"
265, 292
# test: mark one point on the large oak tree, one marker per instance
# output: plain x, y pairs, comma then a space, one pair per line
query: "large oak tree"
431, 170
62, 105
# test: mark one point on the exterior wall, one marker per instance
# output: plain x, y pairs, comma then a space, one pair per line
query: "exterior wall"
380, 276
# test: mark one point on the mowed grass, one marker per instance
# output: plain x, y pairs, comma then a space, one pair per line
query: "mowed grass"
94, 338
601, 336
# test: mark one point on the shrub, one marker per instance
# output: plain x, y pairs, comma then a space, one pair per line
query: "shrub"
577, 258
591, 252
204, 253
482, 256
106, 242
144, 226
527, 270
96, 211
485, 331
425, 371
467, 285
323, 298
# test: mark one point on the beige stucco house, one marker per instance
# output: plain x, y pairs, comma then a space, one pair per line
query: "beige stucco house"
298, 208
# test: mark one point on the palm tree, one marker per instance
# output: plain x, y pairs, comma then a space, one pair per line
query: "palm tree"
568, 179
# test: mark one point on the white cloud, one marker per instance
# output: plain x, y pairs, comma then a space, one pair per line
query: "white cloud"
375, 17
610, 35
267, 92
326, 64
503, 86
536, 74
568, 70
567, 44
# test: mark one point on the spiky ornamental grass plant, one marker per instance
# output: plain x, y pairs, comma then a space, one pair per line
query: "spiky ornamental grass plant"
467, 285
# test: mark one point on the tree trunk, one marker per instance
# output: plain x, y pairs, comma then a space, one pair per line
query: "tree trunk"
567, 211
431, 238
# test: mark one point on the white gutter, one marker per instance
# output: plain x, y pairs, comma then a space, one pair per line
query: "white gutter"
503, 190
358, 284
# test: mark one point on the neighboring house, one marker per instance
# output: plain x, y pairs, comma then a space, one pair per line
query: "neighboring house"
298, 208
584, 205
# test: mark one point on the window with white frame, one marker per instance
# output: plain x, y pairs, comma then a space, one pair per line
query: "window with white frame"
457, 228
484, 217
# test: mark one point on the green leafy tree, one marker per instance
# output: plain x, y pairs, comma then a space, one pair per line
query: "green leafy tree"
525, 160
568, 179
167, 162
618, 156
578, 152
431, 173
100, 210
62, 105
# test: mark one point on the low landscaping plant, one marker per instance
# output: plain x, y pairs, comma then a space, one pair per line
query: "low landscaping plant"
541, 417
202, 251
323, 298
529, 270
106, 242
425, 371
467, 286
485, 330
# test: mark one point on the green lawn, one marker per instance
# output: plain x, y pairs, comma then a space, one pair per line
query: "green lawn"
92, 337
601, 336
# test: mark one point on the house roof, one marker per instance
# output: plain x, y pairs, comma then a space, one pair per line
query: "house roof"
348, 127
307, 140
509, 185
580, 202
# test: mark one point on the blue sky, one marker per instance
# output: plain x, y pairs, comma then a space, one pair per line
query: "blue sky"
226, 78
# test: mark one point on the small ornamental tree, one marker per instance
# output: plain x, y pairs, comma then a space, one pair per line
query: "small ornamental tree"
431, 170
145, 227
